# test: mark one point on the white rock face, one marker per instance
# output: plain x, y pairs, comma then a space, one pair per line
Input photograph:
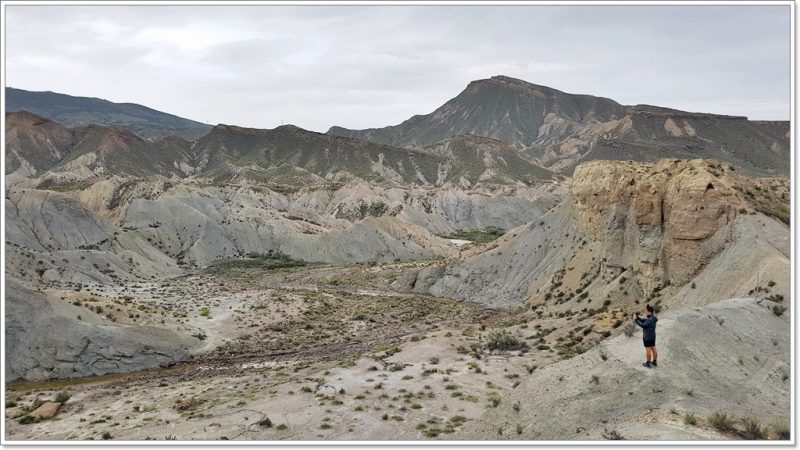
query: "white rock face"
44, 339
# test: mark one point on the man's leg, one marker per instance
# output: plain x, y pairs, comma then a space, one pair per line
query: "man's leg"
654, 352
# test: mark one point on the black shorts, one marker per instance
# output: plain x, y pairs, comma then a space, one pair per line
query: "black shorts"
650, 342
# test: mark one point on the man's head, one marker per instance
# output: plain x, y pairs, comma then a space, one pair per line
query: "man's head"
649, 310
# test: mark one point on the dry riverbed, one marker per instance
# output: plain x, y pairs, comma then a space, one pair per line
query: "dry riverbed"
302, 353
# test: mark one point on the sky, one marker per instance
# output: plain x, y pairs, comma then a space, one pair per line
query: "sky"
372, 66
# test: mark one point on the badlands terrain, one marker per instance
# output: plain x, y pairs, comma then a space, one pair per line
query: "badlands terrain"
467, 274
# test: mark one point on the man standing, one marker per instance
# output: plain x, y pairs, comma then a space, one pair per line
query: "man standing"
649, 336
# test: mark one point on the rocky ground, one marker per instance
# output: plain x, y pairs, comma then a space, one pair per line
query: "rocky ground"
328, 352
325, 346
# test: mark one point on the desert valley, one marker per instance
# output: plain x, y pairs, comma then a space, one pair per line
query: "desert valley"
470, 273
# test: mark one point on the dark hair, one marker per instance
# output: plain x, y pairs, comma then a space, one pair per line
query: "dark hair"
649, 308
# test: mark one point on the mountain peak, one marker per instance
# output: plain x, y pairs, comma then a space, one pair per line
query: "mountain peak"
26, 118
504, 81
500, 107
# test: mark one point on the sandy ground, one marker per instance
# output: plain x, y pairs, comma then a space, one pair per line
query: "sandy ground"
324, 353
426, 390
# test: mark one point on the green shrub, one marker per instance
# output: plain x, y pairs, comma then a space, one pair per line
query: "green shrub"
272, 259
503, 340
721, 421
62, 397
26, 419
265, 422
689, 419
479, 236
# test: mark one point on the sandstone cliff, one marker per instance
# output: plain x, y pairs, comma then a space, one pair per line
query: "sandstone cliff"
630, 230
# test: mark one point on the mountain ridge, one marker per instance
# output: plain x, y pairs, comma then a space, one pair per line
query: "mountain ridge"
229, 153
72, 111
558, 130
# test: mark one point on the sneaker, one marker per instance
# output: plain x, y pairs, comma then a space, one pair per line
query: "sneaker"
647, 364
655, 364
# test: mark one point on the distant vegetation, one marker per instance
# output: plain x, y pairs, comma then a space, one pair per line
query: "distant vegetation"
272, 259
64, 186
478, 236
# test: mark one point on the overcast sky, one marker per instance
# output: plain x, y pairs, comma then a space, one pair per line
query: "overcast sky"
372, 66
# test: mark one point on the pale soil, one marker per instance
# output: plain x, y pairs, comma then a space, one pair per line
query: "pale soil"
352, 400
361, 351
331, 353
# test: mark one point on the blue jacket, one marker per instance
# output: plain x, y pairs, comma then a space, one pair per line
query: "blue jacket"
648, 325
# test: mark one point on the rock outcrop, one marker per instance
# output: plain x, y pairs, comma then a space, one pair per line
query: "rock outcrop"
48, 338
665, 221
629, 227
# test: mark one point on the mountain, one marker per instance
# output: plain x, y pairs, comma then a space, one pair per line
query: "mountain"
286, 155
72, 111
36, 145
500, 107
559, 130
233, 152
470, 158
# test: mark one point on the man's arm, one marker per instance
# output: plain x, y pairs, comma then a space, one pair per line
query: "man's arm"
644, 323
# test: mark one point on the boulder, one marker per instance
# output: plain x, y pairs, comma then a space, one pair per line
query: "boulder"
47, 411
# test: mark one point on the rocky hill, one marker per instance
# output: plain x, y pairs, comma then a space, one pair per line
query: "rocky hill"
37, 145
48, 338
605, 393
34, 144
470, 159
72, 112
672, 229
559, 130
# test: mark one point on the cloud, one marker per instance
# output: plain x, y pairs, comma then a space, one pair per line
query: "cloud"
371, 66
